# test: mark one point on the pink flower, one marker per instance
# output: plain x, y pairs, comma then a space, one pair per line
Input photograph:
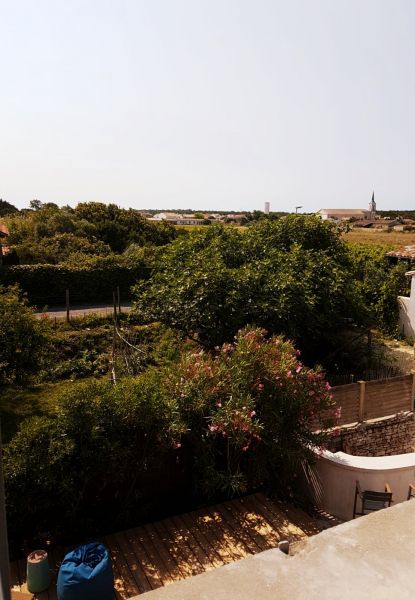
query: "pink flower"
177, 445
253, 413
298, 369
260, 387
289, 374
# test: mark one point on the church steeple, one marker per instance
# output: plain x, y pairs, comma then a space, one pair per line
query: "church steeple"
372, 207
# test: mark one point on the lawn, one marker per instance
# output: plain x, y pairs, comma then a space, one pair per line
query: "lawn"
16, 404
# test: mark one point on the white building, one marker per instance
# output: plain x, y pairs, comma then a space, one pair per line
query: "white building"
344, 214
177, 219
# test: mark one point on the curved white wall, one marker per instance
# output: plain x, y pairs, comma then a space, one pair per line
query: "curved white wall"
333, 478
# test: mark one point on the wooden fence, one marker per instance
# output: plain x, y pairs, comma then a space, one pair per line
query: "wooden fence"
366, 400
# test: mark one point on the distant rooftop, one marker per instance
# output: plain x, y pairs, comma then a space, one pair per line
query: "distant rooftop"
403, 252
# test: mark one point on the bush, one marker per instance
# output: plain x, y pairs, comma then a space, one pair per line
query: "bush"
250, 412
24, 340
105, 452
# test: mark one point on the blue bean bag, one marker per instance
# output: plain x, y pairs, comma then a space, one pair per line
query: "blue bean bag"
86, 574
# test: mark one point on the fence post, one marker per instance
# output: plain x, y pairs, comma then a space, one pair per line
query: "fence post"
67, 305
362, 390
114, 307
413, 391
119, 299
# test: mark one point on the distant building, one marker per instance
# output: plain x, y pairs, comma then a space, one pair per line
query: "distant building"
266, 208
345, 214
177, 219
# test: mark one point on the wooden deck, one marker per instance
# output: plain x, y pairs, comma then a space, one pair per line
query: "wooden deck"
158, 554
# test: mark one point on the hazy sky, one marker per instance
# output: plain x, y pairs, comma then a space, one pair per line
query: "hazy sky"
216, 104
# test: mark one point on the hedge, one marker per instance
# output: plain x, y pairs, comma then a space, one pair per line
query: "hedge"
45, 285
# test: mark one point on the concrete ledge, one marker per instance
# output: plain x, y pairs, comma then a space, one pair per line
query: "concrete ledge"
371, 557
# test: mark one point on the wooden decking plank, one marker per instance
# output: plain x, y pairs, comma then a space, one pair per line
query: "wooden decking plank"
125, 583
181, 550
226, 513
296, 516
202, 539
159, 566
239, 526
207, 526
253, 523
201, 553
148, 566
197, 561
173, 548
278, 519
232, 541
264, 527
133, 562
163, 552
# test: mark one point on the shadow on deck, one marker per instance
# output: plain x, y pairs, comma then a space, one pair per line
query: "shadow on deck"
157, 554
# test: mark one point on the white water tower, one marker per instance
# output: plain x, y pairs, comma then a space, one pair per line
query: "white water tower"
266, 208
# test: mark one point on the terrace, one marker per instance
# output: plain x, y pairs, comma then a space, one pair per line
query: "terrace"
158, 554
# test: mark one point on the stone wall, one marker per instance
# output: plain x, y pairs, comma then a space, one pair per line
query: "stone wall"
380, 437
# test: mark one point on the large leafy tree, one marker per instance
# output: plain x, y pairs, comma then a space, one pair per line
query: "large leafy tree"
290, 276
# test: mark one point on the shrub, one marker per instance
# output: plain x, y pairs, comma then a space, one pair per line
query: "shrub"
250, 411
24, 340
104, 453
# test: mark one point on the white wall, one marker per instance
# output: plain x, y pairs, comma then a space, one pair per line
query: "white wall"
332, 480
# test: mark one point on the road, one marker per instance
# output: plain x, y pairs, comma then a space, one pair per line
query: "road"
81, 310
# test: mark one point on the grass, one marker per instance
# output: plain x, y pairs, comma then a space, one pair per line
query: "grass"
374, 236
17, 404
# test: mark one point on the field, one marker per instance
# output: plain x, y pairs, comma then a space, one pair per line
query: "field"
373, 236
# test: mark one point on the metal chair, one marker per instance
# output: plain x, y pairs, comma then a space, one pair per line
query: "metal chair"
411, 491
371, 500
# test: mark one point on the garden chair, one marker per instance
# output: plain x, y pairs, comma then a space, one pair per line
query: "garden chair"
371, 500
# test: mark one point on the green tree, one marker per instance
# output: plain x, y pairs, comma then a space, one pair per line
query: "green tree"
6, 208
290, 276
379, 283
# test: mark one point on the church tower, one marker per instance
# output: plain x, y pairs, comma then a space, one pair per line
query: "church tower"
372, 207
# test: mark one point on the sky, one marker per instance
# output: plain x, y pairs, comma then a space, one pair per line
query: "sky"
208, 104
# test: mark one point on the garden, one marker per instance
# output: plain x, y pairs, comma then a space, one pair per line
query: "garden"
240, 331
